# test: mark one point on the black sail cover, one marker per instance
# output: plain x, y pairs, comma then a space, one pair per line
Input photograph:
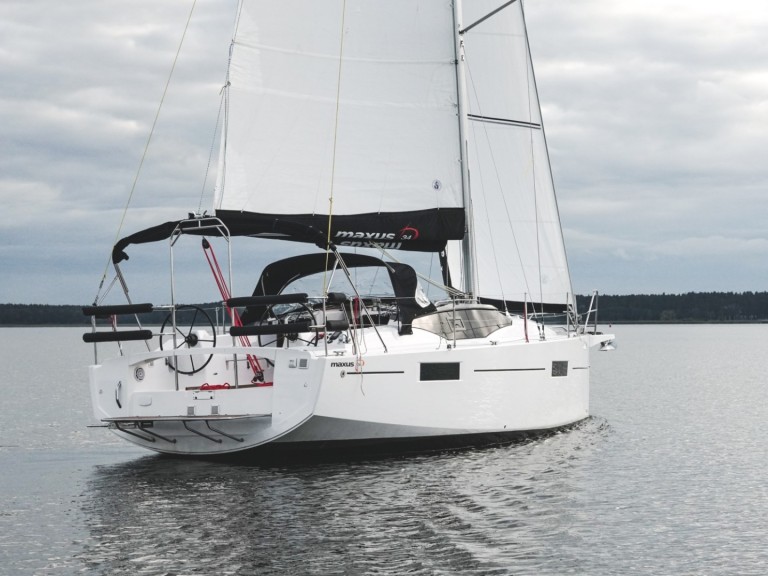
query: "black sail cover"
421, 230
426, 230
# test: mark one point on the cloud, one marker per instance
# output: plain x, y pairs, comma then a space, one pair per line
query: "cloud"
714, 246
655, 114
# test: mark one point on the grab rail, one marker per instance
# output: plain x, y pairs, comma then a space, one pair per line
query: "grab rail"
117, 336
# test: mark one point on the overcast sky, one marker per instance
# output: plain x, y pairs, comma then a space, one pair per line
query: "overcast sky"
656, 114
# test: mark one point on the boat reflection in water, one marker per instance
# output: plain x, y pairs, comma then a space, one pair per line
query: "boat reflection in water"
451, 512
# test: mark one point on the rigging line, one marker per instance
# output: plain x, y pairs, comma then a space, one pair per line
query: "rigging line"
431, 263
210, 154
484, 18
146, 145
335, 139
529, 61
548, 162
222, 175
447, 289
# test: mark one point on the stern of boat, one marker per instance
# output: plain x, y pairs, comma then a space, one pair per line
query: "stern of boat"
219, 409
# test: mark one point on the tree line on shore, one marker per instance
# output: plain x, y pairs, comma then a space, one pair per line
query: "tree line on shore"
635, 308
676, 308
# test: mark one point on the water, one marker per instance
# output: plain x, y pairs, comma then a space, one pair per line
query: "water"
667, 477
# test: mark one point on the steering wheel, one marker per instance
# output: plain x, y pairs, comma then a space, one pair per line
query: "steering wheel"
188, 320
277, 339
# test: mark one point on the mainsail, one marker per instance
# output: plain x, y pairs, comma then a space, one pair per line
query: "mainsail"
351, 110
326, 101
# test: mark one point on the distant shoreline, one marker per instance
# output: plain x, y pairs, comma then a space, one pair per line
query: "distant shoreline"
690, 308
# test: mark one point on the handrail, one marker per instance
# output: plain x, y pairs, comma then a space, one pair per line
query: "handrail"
592, 308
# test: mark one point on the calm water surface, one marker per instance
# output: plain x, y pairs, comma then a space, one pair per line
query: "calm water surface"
667, 477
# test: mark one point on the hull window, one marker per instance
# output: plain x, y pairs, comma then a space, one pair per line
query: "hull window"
440, 371
559, 368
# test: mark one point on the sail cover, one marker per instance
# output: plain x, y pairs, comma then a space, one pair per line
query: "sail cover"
354, 102
519, 250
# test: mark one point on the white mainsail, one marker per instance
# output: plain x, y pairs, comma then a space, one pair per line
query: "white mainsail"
357, 114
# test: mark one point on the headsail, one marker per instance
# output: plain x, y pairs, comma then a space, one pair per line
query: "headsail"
519, 252
357, 104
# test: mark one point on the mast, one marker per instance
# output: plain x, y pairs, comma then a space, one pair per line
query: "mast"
468, 243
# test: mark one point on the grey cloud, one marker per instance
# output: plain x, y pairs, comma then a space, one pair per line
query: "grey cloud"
655, 115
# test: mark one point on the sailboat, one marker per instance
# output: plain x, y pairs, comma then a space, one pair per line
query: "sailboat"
381, 136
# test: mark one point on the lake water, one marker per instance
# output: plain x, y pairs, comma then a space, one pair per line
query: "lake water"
669, 476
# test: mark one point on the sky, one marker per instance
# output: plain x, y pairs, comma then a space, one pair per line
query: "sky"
655, 112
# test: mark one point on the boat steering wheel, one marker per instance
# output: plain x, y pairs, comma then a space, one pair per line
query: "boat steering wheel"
188, 320
269, 317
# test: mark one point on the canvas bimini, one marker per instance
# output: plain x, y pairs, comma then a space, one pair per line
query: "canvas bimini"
366, 130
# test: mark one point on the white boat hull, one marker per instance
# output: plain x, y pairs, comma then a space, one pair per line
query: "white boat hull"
496, 386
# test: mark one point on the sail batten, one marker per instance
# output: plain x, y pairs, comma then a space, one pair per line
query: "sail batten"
507, 121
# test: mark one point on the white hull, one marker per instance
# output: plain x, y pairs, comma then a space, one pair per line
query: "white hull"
495, 385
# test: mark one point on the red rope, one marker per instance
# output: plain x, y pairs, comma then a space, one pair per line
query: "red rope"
221, 283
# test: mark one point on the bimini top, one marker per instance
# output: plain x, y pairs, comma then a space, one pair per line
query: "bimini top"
216, 226
277, 275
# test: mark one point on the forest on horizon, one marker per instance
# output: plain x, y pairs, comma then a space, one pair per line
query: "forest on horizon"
723, 307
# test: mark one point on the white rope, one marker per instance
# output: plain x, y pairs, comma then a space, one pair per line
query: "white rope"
210, 154
448, 289
335, 135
